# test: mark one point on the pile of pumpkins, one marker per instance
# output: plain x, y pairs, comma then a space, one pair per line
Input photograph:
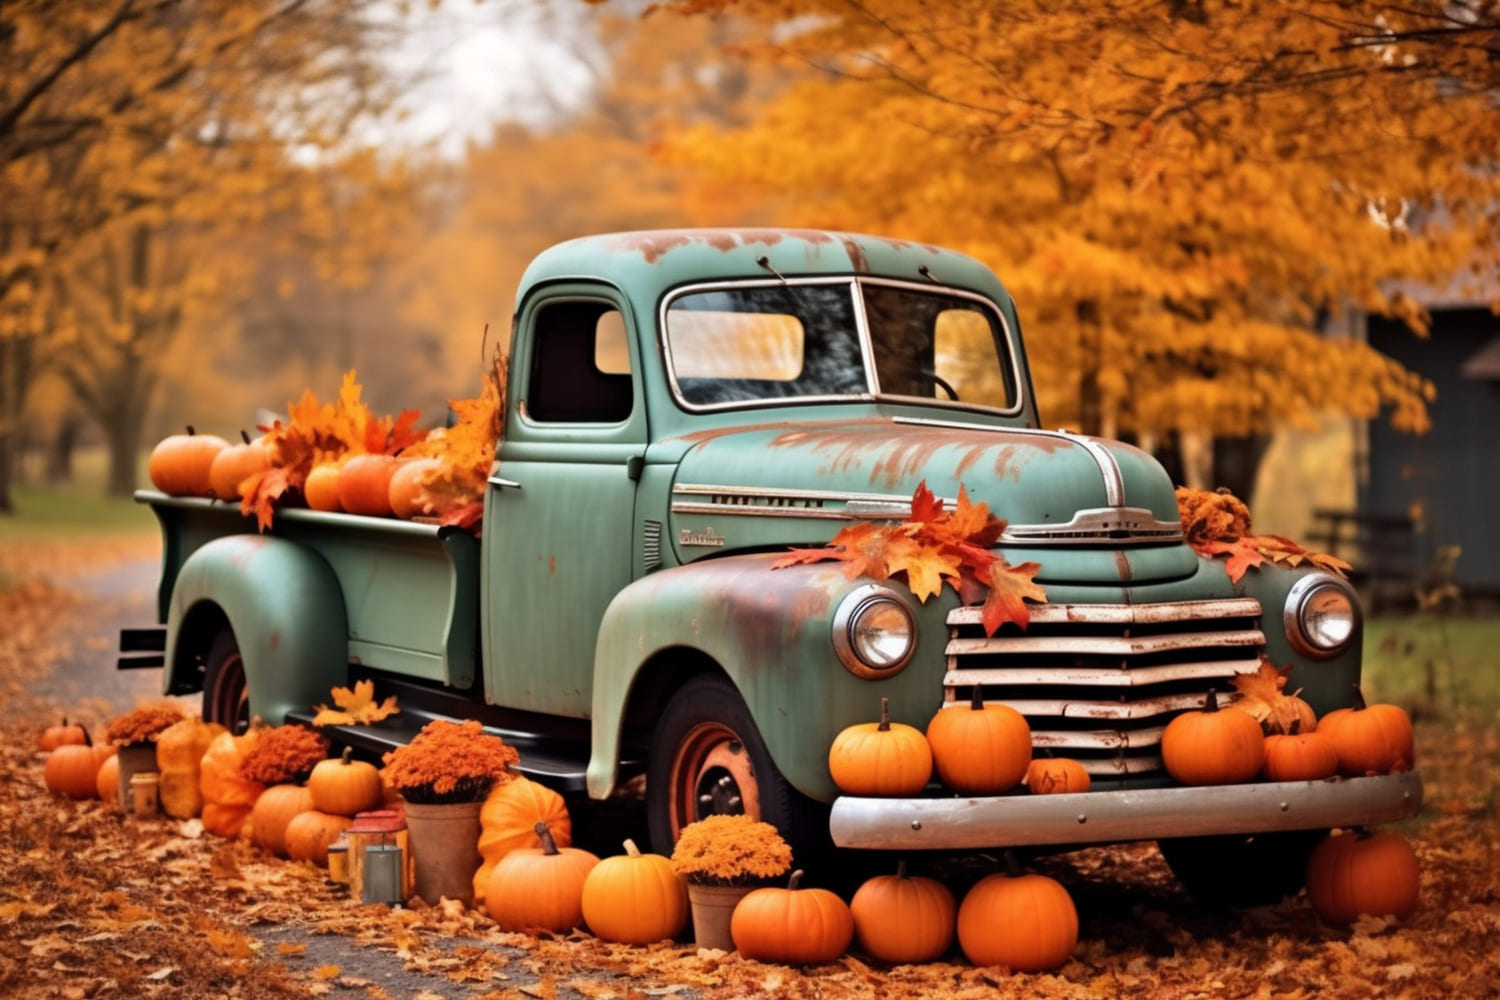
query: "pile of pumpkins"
206, 465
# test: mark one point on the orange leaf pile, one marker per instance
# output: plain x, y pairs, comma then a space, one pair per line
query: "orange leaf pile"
936, 546
1217, 523
355, 707
467, 449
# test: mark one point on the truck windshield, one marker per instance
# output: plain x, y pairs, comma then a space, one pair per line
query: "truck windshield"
776, 342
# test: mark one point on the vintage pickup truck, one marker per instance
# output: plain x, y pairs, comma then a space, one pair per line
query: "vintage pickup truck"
686, 405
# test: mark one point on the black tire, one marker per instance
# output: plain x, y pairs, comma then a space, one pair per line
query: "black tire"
1242, 869
226, 696
707, 757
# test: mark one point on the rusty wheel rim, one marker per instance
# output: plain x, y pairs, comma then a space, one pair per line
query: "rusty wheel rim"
712, 773
230, 698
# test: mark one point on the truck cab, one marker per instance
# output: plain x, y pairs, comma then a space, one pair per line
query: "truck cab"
684, 407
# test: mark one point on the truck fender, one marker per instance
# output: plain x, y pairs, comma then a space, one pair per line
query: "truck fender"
770, 633
285, 606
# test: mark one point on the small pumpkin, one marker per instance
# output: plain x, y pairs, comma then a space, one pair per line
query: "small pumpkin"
1056, 775
793, 925
1023, 921
308, 835
903, 919
73, 770
237, 463
880, 758
107, 781
983, 749
1213, 747
407, 485
1300, 756
634, 898
508, 820
1370, 739
539, 888
1357, 872
179, 463
365, 485
345, 786
273, 810
321, 487
65, 733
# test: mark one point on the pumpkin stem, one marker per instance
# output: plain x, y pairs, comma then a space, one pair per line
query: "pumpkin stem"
190, 430
631, 849
244, 436
347, 757
976, 698
901, 869
885, 716
88, 740
1211, 702
1012, 866
796, 878
1295, 727
1359, 704
549, 843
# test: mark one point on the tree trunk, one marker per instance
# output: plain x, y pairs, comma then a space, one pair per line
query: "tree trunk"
60, 452
123, 436
7, 460
1237, 462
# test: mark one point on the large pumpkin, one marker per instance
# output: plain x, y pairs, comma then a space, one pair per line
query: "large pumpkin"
73, 770
179, 463
179, 756
1025, 922
309, 834
365, 485
792, 925
880, 758
983, 749
539, 888
903, 919
634, 898
1213, 747
228, 795
274, 808
237, 463
508, 820
1370, 739
1354, 873
345, 786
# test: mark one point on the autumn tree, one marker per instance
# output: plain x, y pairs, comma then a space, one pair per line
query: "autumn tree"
130, 130
1177, 193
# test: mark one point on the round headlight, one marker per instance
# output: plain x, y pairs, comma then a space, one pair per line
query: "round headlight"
873, 632
1321, 616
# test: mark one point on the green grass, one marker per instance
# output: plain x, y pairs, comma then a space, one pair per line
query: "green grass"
1436, 665
43, 513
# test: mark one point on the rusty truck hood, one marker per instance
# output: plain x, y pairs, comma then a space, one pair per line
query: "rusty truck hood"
796, 484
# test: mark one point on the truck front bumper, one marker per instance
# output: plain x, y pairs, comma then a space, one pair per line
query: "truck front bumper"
1103, 817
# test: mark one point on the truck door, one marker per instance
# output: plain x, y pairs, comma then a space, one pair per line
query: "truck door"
559, 515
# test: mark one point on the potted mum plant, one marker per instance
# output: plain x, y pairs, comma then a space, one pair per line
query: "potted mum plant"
723, 858
135, 733
443, 776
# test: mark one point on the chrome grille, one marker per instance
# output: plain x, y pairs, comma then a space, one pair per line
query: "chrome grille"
1099, 682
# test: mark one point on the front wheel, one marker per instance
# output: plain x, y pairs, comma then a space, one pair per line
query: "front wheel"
707, 757
226, 696
1242, 869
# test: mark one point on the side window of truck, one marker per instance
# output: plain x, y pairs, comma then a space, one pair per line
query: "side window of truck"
580, 369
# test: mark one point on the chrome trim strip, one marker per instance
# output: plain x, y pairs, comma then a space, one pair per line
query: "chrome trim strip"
1097, 817
1126, 614
1114, 479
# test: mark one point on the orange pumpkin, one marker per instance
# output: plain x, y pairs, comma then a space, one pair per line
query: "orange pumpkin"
72, 770
634, 898
321, 487
345, 786
903, 919
1056, 775
1025, 922
64, 733
228, 796
539, 888
508, 820
407, 484
1370, 739
309, 833
880, 758
1213, 747
273, 810
107, 781
982, 750
792, 925
179, 463
1354, 873
1300, 756
237, 463
365, 485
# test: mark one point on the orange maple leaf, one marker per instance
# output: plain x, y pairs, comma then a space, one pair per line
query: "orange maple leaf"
1010, 587
355, 707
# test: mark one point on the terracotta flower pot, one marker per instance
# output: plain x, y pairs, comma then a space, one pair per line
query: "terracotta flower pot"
444, 848
712, 907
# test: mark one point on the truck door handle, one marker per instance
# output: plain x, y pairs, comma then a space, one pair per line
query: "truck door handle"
502, 483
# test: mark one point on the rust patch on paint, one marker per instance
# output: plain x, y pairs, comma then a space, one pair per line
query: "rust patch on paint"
275, 640
857, 259
655, 244
552, 565
892, 459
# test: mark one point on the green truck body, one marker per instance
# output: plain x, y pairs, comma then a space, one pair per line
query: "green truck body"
684, 406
